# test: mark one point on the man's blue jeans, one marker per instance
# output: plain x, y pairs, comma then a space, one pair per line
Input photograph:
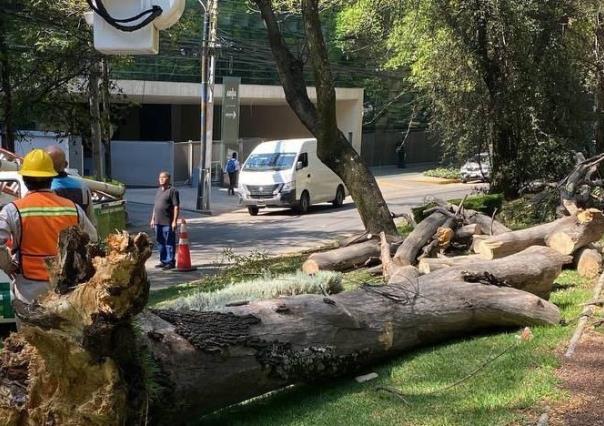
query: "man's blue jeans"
165, 237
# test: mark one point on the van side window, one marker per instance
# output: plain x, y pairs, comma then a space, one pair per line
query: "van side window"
303, 157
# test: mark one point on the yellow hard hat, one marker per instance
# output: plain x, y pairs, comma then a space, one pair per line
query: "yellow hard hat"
37, 163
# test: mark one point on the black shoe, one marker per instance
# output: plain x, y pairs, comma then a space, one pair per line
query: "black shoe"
168, 266
160, 265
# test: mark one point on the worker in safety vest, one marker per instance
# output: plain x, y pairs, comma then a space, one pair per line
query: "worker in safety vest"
33, 224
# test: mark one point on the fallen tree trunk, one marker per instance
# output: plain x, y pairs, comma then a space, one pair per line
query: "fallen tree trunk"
79, 361
274, 343
587, 227
431, 264
342, 258
533, 270
515, 241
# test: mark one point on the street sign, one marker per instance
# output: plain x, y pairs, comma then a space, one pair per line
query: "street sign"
230, 110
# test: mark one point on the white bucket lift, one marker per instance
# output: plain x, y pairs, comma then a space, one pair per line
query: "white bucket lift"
144, 41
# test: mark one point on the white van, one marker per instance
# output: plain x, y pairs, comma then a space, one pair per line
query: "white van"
288, 173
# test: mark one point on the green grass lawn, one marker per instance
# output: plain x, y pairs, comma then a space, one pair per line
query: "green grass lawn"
511, 390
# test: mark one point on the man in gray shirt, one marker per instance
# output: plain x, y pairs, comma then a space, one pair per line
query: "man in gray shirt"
166, 209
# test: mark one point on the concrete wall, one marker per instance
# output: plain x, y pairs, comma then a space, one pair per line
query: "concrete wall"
379, 148
138, 163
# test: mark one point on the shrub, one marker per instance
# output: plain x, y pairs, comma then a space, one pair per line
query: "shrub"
484, 203
443, 172
267, 287
530, 210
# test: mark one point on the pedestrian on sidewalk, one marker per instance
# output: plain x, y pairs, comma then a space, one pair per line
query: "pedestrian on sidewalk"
166, 209
67, 186
33, 224
232, 168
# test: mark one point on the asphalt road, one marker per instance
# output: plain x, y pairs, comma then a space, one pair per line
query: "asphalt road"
278, 231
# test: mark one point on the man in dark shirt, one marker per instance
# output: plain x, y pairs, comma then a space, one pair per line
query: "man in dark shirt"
164, 219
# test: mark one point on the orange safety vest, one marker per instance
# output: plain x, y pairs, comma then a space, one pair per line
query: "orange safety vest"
43, 215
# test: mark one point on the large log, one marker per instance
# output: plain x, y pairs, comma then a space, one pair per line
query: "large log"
343, 258
533, 269
78, 361
587, 227
515, 241
431, 264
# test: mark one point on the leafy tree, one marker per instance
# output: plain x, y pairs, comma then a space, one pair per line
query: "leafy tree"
495, 76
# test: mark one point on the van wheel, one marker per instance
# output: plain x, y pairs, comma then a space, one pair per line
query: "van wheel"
253, 210
339, 200
304, 203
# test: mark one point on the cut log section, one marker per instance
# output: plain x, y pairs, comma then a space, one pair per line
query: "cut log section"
343, 258
431, 264
587, 227
87, 366
515, 241
588, 262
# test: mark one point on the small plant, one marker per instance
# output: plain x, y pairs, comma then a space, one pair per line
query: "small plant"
267, 287
530, 210
443, 172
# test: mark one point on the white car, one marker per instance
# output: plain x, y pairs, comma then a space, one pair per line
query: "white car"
476, 168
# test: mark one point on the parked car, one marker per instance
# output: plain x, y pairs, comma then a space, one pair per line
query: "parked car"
476, 168
288, 173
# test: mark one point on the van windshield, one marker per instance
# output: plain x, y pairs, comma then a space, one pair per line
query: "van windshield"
270, 161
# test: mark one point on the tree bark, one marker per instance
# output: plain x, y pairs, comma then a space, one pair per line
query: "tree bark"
586, 227
107, 132
514, 241
589, 262
95, 121
431, 264
332, 148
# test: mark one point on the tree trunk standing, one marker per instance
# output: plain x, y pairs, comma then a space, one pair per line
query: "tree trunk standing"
95, 120
8, 131
332, 148
106, 115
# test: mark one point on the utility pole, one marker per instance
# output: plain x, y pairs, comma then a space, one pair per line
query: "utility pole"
204, 184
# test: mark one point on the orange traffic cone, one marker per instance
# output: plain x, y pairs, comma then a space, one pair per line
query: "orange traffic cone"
183, 256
